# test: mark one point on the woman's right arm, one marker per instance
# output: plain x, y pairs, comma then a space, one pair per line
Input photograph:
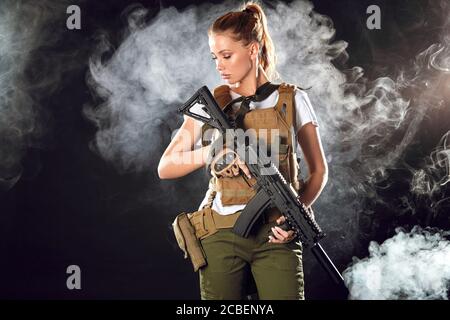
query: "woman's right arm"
179, 159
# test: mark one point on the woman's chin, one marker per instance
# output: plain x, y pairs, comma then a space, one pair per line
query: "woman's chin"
232, 83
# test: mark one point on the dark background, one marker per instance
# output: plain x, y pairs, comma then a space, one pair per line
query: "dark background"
71, 207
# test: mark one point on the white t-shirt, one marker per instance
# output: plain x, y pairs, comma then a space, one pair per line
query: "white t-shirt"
304, 113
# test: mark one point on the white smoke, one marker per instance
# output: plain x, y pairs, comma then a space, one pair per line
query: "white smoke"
410, 265
25, 76
365, 125
436, 174
155, 66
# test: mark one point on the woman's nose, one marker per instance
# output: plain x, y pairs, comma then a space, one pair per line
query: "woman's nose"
219, 66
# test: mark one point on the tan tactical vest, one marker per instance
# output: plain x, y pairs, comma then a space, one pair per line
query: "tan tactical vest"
235, 190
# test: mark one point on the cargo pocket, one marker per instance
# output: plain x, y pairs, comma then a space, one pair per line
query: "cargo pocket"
198, 222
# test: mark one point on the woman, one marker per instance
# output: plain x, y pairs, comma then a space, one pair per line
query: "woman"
244, 55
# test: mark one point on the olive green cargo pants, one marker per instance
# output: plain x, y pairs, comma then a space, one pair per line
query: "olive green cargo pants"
276, 268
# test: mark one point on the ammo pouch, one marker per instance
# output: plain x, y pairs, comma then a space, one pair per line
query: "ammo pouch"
190, 228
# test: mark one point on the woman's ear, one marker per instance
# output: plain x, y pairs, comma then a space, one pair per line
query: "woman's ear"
254, 50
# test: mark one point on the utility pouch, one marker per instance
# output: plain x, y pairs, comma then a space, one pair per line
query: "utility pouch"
188, 241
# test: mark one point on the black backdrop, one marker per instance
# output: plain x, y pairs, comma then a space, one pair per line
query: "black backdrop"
71, 207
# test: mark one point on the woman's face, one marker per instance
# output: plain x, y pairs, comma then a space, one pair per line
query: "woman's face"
233, 60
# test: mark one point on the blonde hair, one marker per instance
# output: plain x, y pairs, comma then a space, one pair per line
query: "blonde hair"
248, 25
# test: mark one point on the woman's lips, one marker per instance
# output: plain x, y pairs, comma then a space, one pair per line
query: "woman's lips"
226, 76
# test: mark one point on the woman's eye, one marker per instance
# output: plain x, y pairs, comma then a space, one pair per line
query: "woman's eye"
225, 57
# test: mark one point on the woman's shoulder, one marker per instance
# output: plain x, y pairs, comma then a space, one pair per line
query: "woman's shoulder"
302, 101
295, 87
301, 94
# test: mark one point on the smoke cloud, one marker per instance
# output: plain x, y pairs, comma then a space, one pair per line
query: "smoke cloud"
431, 180
411, 265
156, 65
436, 174
366, 125
27, 74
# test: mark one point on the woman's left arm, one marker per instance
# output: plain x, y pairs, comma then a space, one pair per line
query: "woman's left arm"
309, 140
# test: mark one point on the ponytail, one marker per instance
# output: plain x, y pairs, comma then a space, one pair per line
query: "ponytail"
248, 25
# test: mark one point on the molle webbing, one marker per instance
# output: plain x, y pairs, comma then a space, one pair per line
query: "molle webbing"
235, 190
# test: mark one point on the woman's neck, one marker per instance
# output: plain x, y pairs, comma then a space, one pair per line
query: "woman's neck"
250, 83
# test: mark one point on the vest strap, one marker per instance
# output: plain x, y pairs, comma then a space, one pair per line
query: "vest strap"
286, 108
285, 104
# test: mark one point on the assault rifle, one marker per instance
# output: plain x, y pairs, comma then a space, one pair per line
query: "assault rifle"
272, 190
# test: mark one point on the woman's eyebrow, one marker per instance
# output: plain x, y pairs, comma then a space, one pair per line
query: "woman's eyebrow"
222, 51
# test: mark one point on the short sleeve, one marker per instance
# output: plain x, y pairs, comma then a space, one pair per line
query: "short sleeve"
198, 124
304, 110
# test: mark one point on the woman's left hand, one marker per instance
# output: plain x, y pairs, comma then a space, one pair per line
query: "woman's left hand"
280, 235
